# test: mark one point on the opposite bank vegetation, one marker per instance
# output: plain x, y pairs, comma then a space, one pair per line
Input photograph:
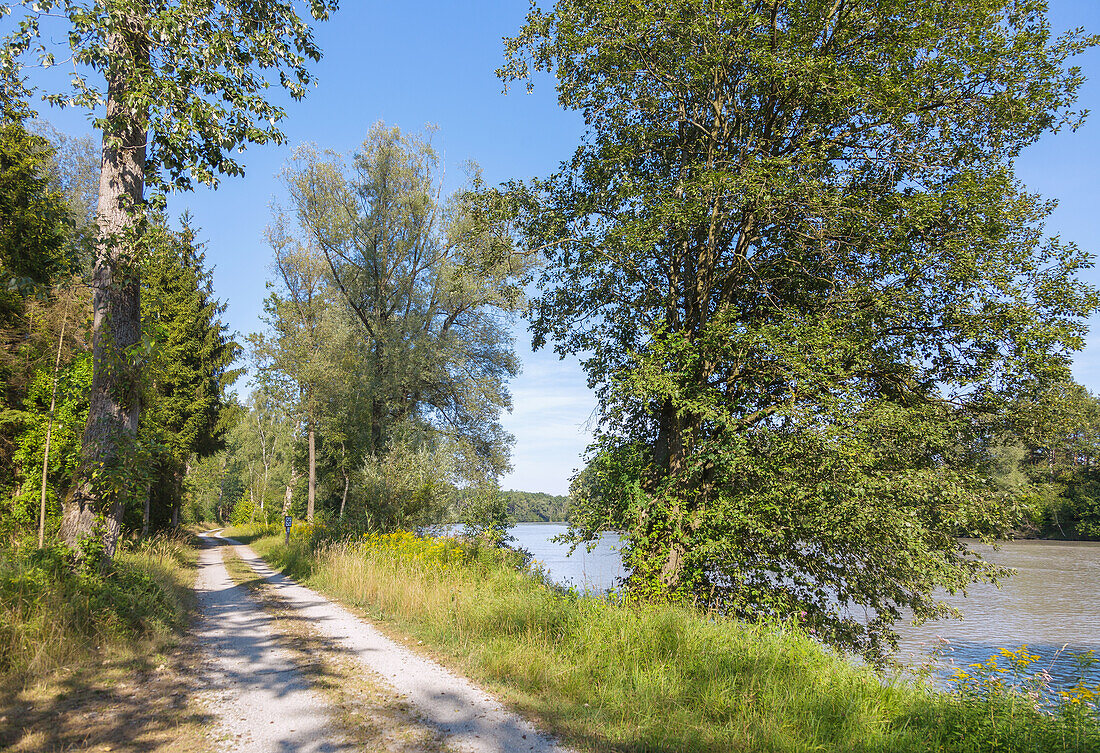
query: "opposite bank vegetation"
611, 674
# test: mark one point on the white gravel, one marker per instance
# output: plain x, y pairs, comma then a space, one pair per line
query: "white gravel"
262, 702
467, 717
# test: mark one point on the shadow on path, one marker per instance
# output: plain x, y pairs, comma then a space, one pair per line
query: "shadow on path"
263, 700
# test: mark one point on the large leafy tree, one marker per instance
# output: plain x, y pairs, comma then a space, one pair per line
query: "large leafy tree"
176, 88
428, 283
794, 256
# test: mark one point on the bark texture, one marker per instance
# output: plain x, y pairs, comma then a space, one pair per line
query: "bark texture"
114, 405
312, 473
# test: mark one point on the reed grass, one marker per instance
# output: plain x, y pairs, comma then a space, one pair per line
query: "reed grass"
609, 675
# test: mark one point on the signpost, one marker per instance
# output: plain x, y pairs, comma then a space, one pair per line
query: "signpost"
288, 522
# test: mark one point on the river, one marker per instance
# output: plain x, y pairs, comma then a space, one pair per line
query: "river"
1051, 604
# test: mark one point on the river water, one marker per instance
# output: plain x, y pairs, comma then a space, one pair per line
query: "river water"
1051, 604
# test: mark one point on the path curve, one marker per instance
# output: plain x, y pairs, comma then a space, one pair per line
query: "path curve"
467, 717
263, 702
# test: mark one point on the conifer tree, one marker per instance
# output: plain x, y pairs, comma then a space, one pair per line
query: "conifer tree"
190, 368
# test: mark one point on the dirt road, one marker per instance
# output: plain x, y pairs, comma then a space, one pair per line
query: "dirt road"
265, 703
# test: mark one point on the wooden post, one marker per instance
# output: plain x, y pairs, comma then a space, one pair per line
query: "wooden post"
49, 434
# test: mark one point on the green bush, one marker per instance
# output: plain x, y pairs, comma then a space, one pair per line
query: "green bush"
244, 512
54, 611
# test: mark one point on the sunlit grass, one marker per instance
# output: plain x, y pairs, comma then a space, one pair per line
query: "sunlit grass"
54, 614
636, 677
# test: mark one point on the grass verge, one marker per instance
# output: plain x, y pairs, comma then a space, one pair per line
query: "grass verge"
609, 676
93, 660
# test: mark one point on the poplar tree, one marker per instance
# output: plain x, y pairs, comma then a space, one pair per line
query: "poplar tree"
176, 89
427, 282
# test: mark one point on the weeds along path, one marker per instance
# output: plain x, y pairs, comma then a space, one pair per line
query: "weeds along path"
261, 699
465, 717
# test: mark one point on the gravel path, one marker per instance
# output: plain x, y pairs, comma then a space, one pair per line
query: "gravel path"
467, 718
262, 701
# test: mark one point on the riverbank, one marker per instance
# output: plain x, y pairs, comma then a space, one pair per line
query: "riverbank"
609, 676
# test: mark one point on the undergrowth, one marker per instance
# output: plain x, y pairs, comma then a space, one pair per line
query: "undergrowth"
56, 612
611, 675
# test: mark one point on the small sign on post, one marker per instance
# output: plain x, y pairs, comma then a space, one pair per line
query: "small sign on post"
288, 523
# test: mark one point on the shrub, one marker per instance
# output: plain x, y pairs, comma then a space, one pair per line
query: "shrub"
54, 612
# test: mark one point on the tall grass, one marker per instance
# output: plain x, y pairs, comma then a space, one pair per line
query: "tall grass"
617, 676
55, 613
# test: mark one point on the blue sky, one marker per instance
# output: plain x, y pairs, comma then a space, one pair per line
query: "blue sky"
419, 62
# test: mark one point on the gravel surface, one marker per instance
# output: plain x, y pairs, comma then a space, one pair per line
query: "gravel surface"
468, 718
262, 702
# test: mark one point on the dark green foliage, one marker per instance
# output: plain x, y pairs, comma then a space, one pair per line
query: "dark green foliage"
34, 220
71, 412
190, 365
39, 249
794, 256
1045, 452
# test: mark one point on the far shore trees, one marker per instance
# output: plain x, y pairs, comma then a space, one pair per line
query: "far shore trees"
175, 88
794, 257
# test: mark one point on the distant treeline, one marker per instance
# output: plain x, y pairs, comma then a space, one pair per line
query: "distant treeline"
536, 507
510, 505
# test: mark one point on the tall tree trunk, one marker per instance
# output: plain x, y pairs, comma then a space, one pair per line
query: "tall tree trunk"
114, 403
221, 489
347, 480
377, 413
267, 469
290, 491
312, 472
146, 511
177, 498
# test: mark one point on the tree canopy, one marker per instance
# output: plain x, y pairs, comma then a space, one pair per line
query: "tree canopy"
428, 285
794, 257
176, 89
